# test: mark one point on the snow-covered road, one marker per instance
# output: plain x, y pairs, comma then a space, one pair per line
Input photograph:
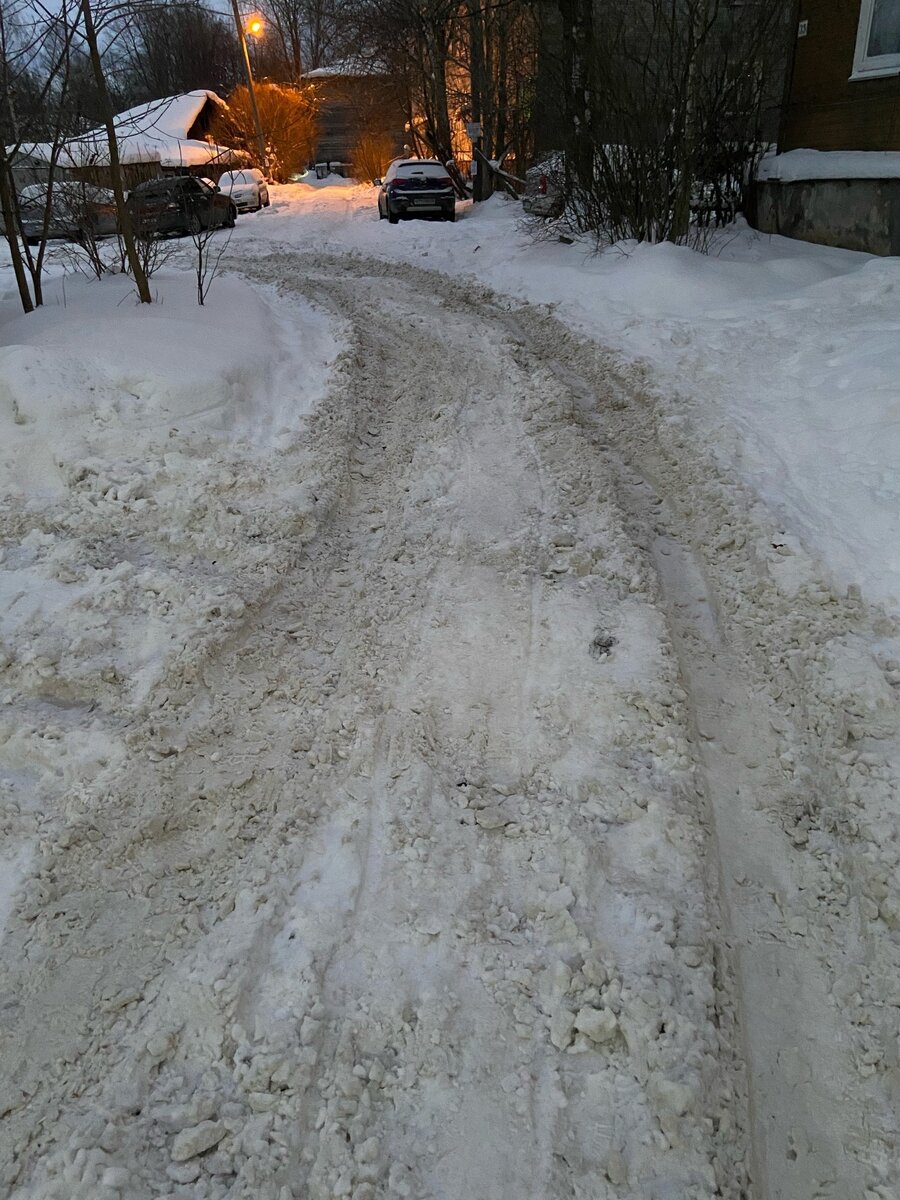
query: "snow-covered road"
500, 847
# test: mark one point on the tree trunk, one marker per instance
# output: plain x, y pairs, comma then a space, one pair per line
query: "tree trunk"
479, 91
502, 106
579, 53
115, 168
11, 226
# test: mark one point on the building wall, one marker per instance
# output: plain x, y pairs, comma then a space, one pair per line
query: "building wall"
27, 171
132, 174
351, 107
858, 214
825, 110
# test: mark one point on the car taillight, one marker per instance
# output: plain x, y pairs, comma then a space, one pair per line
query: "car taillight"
444, 181
542, 185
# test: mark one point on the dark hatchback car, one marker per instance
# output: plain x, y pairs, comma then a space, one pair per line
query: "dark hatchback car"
416, 187
179, 204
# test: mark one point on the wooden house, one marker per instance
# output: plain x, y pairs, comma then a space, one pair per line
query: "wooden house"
171, 136
836, 177
356, 103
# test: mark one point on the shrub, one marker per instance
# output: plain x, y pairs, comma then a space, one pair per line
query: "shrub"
288, 118
371, 155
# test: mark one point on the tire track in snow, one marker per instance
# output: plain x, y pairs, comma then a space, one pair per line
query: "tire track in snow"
774, 758
522, 994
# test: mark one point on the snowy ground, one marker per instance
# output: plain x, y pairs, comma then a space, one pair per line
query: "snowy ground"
779, 356
441, 755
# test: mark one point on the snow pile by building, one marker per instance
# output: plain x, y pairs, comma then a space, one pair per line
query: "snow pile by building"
797, 166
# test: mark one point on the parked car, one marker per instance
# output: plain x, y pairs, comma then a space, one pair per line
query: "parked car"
247, 189
416, 187
178, 204
543, 195
77, 210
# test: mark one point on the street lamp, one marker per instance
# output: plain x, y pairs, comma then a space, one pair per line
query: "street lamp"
255, 28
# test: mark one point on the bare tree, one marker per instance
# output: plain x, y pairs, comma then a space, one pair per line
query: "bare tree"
307, 34
498, 56
207, 258
413, 39
35, 56
661, 108
174, 46
288, 118
458, 63
115, 167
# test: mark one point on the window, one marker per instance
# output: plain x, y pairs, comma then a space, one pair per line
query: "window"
878, 39
425, 166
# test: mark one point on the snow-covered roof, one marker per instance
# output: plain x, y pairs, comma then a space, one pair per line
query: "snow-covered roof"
798, 166
350, 68
153, 132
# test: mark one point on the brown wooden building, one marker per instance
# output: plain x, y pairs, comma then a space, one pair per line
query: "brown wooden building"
836, 177
356, 105
844, 88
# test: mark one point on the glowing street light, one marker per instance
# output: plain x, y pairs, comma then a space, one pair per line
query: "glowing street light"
256, 28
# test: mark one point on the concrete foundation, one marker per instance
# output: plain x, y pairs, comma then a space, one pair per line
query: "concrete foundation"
859, 214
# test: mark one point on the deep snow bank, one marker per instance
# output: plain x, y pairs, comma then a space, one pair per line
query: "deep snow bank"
112, 411
151, 468
93, 374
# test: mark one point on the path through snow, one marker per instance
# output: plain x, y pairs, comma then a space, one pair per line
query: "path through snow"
424, 882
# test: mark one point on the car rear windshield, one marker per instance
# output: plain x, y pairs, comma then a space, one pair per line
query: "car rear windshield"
428, 169
154, 191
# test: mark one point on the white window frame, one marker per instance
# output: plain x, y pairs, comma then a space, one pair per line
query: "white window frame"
864, 65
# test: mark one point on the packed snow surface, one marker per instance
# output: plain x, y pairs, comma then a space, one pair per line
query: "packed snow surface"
781, 356
445, 751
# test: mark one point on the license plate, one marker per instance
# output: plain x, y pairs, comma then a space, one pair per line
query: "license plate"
426, 203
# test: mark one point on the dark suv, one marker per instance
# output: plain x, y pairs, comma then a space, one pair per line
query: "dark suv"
416, 187
178, 204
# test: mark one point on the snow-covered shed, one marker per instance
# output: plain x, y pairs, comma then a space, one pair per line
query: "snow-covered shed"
162, 137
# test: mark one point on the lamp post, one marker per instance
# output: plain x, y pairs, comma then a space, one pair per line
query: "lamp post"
255, 27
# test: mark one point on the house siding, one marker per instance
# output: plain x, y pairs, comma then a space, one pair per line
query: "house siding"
826, 111
352, 106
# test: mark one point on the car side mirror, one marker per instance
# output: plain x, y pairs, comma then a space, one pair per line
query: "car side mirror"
218, 189
378, 183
